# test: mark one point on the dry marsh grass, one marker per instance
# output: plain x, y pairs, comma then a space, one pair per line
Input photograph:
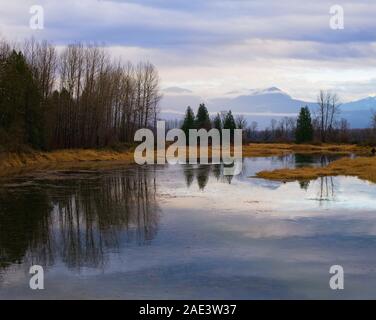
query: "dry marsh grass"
278, 149
11, 163
363, 168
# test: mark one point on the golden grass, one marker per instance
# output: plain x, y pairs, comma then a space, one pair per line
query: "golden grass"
363, 168
278, 149
11, 163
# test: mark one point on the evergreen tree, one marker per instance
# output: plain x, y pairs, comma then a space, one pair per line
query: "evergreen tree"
21, 115
189, 122
229, 123
202, 118
304, 128
217, 122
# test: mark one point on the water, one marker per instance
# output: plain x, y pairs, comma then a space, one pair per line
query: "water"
187, 232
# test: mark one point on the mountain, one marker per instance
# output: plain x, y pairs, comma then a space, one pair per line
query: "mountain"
363, 104
175, 100
359, 112
266, 101
260, 105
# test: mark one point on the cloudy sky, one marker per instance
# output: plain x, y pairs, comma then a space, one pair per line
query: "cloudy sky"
215, 46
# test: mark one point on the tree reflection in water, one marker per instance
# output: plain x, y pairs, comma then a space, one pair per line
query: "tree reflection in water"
304, 184
202, 175
77, 220
326, 186
24, 219
316, 160
326, 190
189, 174
203, 172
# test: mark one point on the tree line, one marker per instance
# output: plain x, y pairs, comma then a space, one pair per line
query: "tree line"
78, 97
320, 125
326, 126
202, 120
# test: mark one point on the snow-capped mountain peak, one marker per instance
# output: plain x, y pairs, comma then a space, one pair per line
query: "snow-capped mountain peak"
270, 90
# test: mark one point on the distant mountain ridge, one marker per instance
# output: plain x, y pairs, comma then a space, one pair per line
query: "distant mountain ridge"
260, 105
268, 100
362, 104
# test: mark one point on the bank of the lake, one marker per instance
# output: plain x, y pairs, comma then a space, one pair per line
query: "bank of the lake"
14, 163
279, 149
362, 167
20, 162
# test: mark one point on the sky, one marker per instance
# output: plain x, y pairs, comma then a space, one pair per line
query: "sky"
216, 46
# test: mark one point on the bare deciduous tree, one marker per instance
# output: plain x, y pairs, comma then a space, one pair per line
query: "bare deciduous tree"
91, 100
241, 122
328, 110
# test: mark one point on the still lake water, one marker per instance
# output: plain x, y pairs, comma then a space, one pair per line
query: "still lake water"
187, 232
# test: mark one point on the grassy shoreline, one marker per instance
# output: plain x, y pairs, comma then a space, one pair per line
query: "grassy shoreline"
362, 167
279, 149
15, 163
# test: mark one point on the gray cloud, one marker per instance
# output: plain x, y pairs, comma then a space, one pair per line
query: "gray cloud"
214, 38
